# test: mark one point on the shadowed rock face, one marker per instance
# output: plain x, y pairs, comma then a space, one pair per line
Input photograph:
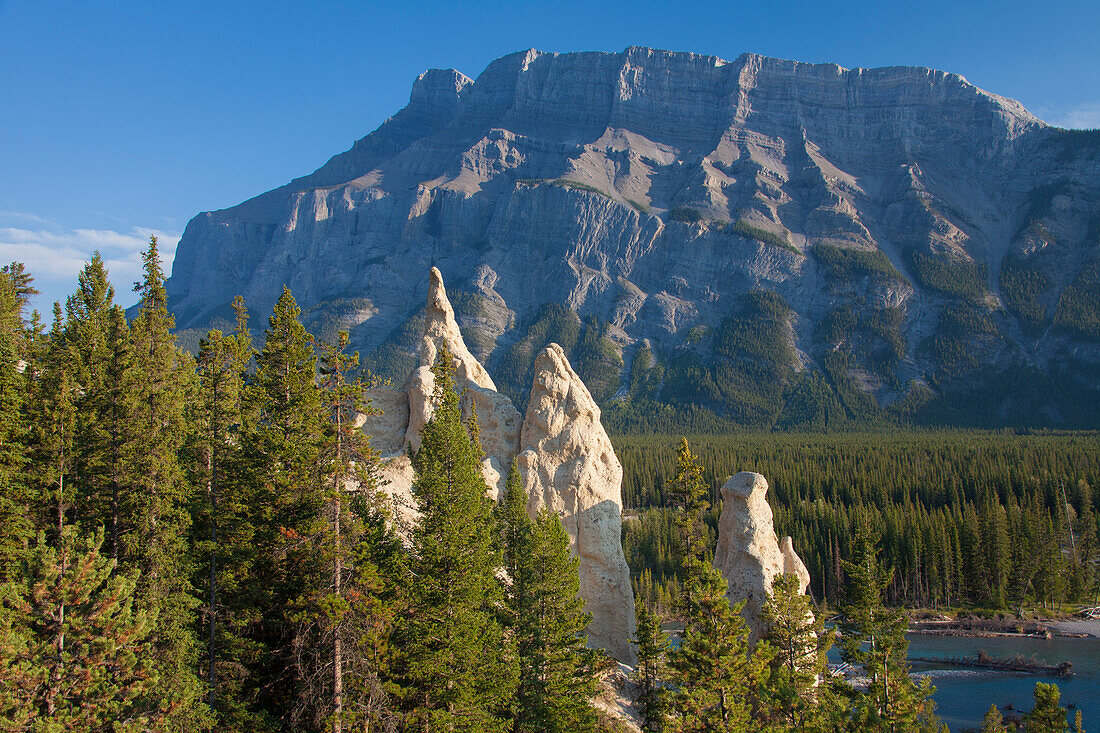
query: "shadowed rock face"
564, 457
748, 552
651, 190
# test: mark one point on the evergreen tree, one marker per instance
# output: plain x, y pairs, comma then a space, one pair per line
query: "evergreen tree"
873, 636
340, 683
560, 671
17, 498
689, 494
994, 722
54, 419
800, 658
97, 339
458, 672
711, 667
653, 646
282, 495
156, 495
75, 654
1047, 716
214, 459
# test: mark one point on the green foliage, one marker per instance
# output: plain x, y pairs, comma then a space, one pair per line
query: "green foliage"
1047, 716
689, 494
17, 496
751, 363
592, 354
873, 637
1024, 283
686, 214
76, 654
452, 631
846, 264
712, 667
156, 388
949, 275
743, 228
916, 486
1078, 309
653, 646
952, 346
794, 633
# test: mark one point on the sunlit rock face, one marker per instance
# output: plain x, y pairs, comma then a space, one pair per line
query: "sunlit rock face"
749, 553
562, 452
650, 190
569, 466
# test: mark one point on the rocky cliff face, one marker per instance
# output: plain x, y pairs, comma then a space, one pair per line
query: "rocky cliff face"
561, 450
748, 553
900, 234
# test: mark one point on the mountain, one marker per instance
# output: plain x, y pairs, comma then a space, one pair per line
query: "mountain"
771, 242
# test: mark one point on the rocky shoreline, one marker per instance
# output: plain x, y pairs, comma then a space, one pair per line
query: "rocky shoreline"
979, 628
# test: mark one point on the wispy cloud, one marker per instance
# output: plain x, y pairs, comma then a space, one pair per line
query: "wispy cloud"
1085, 116
54, 255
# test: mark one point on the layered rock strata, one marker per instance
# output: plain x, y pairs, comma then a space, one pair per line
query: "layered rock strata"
749, 554
651, 190
561, 449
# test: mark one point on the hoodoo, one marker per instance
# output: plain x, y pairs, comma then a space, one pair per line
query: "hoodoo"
564, 455
568, 466
749, 553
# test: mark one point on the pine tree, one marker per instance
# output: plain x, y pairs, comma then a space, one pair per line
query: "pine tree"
156, 496
458, 672
653, 646
994, 722
75, 654
711, 667
892, 701
1047, 716
554, 660
799, 657
689, 494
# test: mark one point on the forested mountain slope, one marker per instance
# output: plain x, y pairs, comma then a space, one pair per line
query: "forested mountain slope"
777, 243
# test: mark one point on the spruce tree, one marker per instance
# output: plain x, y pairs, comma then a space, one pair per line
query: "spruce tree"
281, 490
873, 636
156, 495
653, 646
97, 337
75, 653
17, 497
456, 668
213, 449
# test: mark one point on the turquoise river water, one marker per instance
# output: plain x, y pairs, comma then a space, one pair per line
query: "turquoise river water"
963, 695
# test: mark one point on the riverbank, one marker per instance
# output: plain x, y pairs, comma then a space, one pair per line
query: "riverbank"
1003, 625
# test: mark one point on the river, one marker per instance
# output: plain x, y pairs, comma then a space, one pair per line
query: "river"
963, 695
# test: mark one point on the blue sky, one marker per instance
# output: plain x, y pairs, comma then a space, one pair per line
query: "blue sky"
121, 119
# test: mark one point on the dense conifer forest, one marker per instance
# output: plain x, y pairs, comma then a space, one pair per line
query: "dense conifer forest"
997, 521
194, 543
